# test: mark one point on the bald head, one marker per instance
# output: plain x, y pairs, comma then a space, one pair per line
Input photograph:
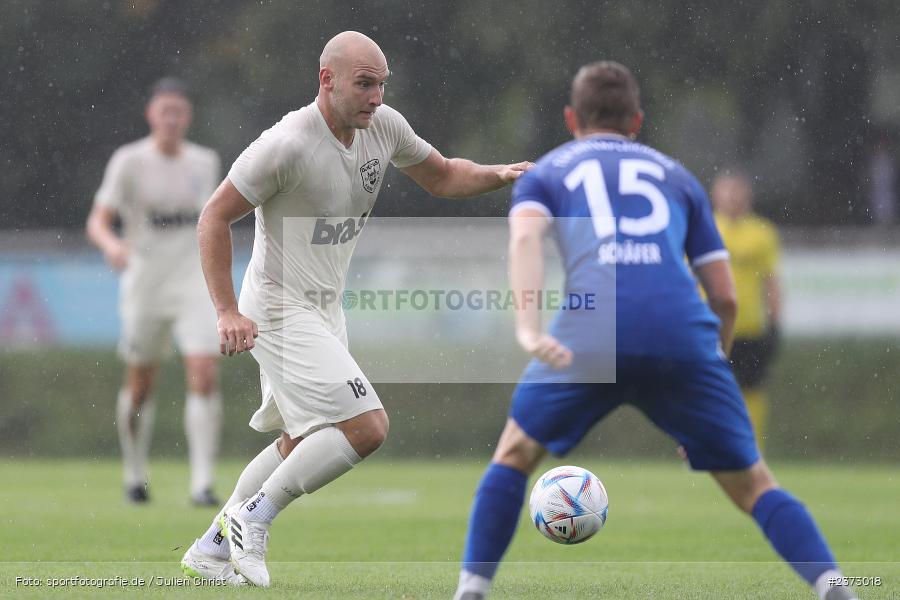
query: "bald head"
352, 74
350, 49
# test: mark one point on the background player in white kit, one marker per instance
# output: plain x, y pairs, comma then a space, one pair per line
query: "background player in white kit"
312, 180
157, 186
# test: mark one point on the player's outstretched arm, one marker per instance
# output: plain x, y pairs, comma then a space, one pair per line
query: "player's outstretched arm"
461, 178
526, 275
99, 230
227, 205
718, 283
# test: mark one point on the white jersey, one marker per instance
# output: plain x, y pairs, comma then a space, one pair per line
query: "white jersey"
312, 197
158, 199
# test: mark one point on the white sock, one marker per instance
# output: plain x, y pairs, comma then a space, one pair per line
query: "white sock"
135, 432
823, 583
319, 459
202, 425
254, 474
261, 508
470, 582
213, 543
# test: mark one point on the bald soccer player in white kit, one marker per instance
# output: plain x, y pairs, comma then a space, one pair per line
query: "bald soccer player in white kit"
157, 187
312, 180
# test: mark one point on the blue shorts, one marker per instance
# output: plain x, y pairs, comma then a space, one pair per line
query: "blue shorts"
697, 403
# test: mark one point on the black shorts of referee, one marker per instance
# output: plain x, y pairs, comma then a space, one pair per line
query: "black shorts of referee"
752, 356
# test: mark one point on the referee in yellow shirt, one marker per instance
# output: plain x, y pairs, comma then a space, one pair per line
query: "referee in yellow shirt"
753, 245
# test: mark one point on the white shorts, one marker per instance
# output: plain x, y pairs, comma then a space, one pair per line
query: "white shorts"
147, 338
308, 379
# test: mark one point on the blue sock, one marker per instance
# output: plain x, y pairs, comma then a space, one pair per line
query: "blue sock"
793, 533
495, 514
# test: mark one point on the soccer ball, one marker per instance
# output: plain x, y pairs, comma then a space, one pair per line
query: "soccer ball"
568, 505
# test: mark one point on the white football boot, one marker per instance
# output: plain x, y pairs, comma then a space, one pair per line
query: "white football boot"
248, 540
199, 565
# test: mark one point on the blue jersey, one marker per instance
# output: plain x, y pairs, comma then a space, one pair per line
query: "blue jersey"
630, 223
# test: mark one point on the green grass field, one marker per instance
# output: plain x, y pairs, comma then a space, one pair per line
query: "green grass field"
394, 529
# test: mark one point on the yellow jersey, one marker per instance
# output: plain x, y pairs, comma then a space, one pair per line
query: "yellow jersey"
753, 245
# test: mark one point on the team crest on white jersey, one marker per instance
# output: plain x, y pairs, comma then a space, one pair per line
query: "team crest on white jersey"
370, 173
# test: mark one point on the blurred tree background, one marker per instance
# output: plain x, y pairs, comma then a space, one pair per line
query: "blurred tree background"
796, 92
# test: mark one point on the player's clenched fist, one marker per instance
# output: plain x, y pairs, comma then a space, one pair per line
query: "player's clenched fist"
545, 348
236, 333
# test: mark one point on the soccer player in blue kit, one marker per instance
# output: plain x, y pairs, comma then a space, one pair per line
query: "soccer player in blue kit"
625, 217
